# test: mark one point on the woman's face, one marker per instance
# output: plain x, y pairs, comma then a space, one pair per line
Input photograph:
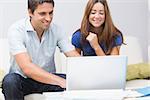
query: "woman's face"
97, 15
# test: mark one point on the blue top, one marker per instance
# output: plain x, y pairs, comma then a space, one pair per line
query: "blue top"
87, 49
23, 38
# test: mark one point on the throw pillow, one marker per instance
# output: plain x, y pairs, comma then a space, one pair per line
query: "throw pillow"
138, 71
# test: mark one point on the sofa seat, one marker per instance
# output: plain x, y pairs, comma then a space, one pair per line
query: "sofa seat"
138, 83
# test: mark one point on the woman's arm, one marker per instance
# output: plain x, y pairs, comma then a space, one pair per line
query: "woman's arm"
115, 50
78, 50
93, 40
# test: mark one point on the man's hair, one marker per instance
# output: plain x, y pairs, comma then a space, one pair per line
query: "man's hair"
32, 4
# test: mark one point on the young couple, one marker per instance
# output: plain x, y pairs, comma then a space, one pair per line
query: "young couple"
33, 41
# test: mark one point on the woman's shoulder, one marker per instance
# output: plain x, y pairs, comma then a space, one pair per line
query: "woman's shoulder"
77, 33
118, 38
117, 34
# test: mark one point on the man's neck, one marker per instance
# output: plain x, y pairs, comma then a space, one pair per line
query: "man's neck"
39, 33
38, 30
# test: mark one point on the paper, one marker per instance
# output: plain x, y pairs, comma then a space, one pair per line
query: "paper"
140, 92
144, 91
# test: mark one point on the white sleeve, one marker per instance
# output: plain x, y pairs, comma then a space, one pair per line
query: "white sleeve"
64, 43
16, 40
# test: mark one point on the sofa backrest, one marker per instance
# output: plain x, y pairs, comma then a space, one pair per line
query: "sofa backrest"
4, 55
149, 53
132, 49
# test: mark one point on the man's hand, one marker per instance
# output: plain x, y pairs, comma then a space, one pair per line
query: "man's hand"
62, 83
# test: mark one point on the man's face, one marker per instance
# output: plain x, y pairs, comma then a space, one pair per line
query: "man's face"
42, 16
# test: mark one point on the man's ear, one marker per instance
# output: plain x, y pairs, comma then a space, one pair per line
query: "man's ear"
30, 12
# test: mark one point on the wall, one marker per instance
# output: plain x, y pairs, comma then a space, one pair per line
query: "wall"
130, 16
149, 22
149, 30
10, 11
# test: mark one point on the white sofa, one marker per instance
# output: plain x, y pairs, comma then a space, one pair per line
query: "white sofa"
149, 53
134, 52
133, 57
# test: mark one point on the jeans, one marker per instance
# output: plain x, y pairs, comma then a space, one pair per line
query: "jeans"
15, 87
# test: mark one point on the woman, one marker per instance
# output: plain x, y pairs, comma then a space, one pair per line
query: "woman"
97, 36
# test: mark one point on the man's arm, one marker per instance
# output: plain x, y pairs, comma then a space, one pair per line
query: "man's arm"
35, 72
72, 53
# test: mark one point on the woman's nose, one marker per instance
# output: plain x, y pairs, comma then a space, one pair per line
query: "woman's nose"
97, 15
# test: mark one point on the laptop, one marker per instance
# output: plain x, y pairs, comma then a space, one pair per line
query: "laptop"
96, 72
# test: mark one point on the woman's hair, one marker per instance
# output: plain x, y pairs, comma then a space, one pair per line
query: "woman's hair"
108, 30
32, 4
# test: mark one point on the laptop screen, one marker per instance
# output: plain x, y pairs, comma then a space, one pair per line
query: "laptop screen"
96, 72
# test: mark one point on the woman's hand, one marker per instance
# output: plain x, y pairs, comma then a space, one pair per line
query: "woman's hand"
93, 40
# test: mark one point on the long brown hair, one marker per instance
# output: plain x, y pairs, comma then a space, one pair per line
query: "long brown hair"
108, 29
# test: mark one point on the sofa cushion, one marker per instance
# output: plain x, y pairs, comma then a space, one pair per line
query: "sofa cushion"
1, 76
138, 71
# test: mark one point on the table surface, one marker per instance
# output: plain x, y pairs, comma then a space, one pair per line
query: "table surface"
92, 95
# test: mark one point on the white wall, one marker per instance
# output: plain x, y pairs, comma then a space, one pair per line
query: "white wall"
10, 11
68, 14
149, 30
130, 16
149, 22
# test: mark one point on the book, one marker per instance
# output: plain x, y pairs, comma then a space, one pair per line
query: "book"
139, 92
144, 91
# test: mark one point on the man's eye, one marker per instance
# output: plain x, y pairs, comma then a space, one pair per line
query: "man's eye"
42, 13
50, 13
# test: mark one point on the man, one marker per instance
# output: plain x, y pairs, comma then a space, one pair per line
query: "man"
32, 45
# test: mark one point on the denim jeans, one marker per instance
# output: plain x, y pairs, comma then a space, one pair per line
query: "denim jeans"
15, 87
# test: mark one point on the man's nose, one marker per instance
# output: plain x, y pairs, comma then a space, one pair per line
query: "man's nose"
48, 17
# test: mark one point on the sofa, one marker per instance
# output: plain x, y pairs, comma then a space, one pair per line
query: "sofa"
136, 63
134, 57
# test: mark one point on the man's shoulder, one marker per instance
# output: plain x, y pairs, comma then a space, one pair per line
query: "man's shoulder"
54, 26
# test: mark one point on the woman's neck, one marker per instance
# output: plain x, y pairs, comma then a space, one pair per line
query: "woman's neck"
97, 30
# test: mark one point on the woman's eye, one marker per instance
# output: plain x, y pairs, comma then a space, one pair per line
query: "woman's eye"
92, 12
101, 13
